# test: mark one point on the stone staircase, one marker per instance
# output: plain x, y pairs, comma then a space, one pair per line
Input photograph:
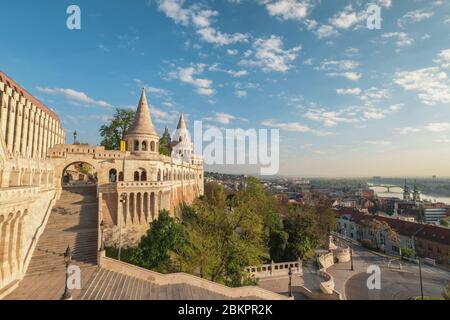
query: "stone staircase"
110, 285
73, 222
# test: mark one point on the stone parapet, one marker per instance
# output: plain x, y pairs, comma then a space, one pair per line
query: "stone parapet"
184, 278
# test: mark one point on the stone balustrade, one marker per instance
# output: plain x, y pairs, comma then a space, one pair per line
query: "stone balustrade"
274, 269
184, 278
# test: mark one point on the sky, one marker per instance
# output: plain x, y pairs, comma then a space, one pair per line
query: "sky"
348, 100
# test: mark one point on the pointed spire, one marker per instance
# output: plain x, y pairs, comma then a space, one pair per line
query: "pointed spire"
181, 122
142, 123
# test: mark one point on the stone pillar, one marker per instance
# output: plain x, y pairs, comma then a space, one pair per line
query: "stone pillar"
18, 126
4, 243
11, 123
35, 132
25, 137
41, 135
3, 111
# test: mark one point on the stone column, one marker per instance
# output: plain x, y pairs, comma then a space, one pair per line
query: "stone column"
36, 132
4, 243
3, 110
44, 136
25, 137
18, 126
11, 124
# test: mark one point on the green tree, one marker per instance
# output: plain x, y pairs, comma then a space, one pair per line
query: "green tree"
164, 148
225, 236
165, 238
444, 223
302, 228
446, 291
116, 129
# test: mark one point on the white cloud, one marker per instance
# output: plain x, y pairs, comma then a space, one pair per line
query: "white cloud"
444, 58
294, 127
347, 18
288, 9
379, 142
224, 118
174, 10
378, 113
75, 96
438, 127
201, 19
162, 116
402, 39
414, 16
232, 52
241, 93
328, 118
216, 37
352, 76
338, 65
407, 130
432, 84
271, 56
188, 75
326, 31
351, 91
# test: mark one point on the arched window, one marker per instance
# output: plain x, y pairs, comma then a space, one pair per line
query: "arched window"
112, 175
144, 175
120, 176
152, 146
144, 145
159, 175
136, 145
136, 176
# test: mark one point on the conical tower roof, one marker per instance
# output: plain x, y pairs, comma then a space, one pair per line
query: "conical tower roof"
181, 122
142, 123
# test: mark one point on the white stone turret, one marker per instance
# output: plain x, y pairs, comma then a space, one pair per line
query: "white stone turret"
182, 146
142, 139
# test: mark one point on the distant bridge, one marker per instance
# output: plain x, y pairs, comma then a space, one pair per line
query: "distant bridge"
388, 187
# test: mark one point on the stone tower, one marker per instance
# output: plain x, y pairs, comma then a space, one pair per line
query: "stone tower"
416, 193
142, 139
406, 192
182, 146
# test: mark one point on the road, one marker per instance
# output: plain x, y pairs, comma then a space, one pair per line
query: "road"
395, 284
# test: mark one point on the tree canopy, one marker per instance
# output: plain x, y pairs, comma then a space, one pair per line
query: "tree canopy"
116, 129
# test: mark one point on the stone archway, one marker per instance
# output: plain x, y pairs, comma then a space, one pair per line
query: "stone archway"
78, 173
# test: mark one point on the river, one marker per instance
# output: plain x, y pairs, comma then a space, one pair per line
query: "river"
397, 192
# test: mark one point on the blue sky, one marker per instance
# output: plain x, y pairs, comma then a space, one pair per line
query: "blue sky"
348, 101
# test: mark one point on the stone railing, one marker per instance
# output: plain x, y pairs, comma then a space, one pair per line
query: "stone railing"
17, 194
184, 278
275, 269
325, 260
342, 254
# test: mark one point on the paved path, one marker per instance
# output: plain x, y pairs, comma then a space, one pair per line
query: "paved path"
395, 284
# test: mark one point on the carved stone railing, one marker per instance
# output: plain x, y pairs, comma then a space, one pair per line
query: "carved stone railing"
184, 278
274, 269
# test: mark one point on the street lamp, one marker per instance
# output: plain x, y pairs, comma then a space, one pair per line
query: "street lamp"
75, 137
290, 281
67, 259
102, 228
123, 201
420, 275
351, 257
